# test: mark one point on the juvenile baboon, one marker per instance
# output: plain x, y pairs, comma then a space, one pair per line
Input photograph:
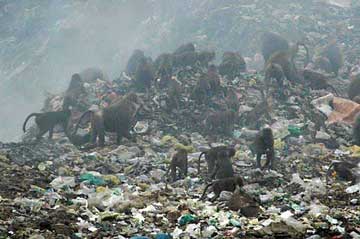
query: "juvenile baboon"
264, 144
179, 162
48, 120
225, 184
118, 117
223, 166
215, 154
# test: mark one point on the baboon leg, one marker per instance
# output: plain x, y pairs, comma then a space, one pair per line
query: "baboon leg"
93, 135
118, 137
258, 160
51, 132
173, 173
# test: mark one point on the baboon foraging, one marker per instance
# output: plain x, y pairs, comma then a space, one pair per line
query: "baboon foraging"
188, 47
285, 60
225, 184
221, 122
354, 87
271, 43
134, 61
216, 168
343, 170
48, 120
356, 130
232, 65
144, 75
179, 162
335, 56
74, 93
316, 80
264, 144
118, 117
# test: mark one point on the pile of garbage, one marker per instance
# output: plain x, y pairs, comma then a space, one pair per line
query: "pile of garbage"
53, 187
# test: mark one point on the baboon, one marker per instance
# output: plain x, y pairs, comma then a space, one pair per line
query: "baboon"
92, 74
74, 94
225, 184
323, 63
354, 87
204, 57
223, 166
188, 47
79, 140
213, 155
118, 117
163, 66
232, 65
48, 120
179, 162
185, 59
275, 71
285, 60
335, 56
174, 94
201, 92
343, 170
221, 122
316, 80
213, 78
231, 100
264, 144
144, 75
356, 130
262, 109
271, 43
134, 61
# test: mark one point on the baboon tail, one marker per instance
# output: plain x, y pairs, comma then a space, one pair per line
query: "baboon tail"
205, 189
26, 120
199, 161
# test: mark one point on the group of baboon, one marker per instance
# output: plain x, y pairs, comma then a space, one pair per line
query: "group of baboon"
280, 66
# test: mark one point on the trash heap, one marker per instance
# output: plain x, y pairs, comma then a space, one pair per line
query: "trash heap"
52, 188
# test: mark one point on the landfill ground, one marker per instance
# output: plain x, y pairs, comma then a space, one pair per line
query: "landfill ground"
53, 189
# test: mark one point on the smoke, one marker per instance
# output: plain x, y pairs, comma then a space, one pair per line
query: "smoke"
44, 42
